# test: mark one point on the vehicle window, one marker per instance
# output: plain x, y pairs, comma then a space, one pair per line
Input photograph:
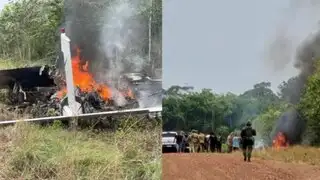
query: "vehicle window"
169, 135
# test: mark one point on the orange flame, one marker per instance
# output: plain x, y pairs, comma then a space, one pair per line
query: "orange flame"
129, 93
280, 141
85, 81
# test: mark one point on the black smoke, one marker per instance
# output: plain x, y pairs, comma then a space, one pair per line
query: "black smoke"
113, 36
291, 123
82, 24
85, 21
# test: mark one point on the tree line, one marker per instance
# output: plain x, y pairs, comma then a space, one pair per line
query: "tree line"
29, 29
206, 111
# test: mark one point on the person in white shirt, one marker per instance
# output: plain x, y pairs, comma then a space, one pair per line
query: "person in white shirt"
236, 143
229, 142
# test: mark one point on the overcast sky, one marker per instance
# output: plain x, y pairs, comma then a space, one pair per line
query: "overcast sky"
2, 3
223, 45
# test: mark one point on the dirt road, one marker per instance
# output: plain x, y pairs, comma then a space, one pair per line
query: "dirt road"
206, 166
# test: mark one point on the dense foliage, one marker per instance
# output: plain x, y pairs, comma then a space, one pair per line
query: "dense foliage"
310, 106
207, 111
29, 29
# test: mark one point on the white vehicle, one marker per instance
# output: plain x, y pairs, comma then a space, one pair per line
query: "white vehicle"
169, 141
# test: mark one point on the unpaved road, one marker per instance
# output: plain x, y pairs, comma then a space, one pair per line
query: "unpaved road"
205, 166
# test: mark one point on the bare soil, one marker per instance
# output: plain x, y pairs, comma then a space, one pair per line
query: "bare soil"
213, 166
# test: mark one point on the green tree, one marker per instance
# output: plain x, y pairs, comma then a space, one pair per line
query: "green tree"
204, 110
309, 106
28, 30
208, 111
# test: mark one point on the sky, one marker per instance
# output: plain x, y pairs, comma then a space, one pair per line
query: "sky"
226, 45
2, 3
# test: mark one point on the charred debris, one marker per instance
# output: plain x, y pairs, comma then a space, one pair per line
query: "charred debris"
33, 91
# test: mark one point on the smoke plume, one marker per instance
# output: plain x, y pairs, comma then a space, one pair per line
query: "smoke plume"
303, 54
111, 35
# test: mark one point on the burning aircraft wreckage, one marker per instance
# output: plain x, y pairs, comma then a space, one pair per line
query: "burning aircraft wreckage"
47, 94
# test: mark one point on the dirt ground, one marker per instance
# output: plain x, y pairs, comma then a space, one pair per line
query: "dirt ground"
205, 166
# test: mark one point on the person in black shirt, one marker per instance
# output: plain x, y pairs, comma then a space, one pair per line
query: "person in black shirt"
219, 143
212, 142
186, 144
247, 141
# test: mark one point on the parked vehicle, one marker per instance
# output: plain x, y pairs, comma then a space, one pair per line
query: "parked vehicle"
169, 141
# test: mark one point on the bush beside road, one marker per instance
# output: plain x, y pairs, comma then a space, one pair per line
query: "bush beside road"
34, 152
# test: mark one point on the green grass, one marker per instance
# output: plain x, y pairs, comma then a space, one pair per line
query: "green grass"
12, 64
224, 148
33, 152
293, 154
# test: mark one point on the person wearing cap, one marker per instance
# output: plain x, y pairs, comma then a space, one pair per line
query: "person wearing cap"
247, 138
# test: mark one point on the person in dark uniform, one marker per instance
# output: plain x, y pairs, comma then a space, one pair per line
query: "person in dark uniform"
219, 143
247, 141
186, 144
212, 142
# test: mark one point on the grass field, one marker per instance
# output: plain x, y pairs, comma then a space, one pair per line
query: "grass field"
294, 154
34, 152
12, 64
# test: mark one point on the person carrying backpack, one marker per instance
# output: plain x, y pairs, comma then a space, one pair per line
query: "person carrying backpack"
247, 139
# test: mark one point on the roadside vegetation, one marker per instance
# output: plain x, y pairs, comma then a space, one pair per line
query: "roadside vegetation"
29, 36
34, 152
295, 154
206, 111
29, 32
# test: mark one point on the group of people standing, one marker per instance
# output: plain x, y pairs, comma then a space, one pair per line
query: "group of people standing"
199, 142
